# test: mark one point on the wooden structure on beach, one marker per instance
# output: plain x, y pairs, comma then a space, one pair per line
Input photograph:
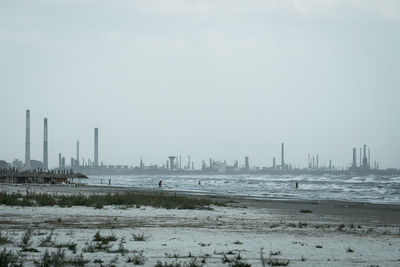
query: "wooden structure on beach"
39, 176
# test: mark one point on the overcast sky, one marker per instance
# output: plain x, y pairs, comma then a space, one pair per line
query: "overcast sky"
222, 79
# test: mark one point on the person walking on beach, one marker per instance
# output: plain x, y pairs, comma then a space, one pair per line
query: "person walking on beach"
160, 184
297, 185
109, 182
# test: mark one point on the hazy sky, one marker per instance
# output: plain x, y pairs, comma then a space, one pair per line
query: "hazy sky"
221, 79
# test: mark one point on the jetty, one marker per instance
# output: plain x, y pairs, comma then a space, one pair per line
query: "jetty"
40, 176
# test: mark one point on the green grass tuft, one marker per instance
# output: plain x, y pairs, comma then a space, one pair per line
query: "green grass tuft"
104, 239
26, 237
7, 258
5, 239
137, 258
139, 237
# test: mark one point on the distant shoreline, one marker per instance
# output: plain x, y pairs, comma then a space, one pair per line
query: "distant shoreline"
267, 171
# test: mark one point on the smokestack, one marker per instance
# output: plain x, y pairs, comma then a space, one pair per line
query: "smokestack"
45, 148
365, 151
354, 157
369, 158
28, 140
283, 156
96, 147
365, 160
77, 153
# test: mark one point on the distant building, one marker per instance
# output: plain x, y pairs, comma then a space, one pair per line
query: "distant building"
36, 164
96, 147
4, 164
18, 164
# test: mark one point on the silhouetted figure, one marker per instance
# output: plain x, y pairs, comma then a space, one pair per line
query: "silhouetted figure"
109, 182
297, 185
160, 183
199, 183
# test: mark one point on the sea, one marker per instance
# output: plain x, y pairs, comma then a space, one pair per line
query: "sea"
371, 188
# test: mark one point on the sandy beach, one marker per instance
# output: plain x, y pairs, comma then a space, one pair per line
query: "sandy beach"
262, 231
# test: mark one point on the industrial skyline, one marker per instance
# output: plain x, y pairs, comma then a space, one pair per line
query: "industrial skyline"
171, 164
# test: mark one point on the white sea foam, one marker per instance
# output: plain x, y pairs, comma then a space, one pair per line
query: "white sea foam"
372, 188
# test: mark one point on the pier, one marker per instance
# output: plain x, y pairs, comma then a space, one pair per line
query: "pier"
39, 176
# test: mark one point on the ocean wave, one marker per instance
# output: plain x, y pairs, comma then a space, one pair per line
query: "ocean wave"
372, 188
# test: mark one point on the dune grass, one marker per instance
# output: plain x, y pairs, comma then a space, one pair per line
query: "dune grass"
157, 199
5, 239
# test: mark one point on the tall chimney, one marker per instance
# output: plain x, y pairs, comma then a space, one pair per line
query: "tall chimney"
365, 160
283, 156
96, 147
365, 151
28, 141
246, 163
354, 157
369, 158
45, 148
77, 153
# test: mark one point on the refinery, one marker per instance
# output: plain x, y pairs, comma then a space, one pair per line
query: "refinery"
176, 164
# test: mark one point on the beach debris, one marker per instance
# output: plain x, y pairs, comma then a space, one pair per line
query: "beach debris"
306, 211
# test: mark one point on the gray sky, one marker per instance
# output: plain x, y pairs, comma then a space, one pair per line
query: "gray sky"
221, 79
